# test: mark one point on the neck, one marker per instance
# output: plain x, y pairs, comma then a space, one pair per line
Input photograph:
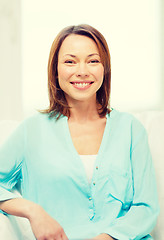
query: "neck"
84, 111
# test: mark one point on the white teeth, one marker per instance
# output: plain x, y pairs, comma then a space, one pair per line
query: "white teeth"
81, 84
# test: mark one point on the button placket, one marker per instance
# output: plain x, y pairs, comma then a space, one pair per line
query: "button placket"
90, 198
94, 183
91, 208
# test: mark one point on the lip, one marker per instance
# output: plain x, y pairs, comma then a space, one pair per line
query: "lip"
87, 81
81, 85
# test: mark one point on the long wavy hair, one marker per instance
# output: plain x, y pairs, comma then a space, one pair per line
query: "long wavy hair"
57, 102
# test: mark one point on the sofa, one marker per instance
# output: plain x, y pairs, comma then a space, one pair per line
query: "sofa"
17, 228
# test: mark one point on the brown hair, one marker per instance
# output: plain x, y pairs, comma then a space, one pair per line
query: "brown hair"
58, 104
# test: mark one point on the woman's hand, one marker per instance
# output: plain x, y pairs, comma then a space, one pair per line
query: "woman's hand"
103, 236
45, 227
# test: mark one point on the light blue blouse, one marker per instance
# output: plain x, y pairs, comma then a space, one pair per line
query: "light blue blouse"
122, 197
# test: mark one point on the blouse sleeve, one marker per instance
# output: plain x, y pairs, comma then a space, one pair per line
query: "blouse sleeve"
142, 215
11, 157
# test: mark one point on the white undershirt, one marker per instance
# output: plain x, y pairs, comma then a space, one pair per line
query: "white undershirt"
88, 161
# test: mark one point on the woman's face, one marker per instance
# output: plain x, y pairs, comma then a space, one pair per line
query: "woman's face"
80, 71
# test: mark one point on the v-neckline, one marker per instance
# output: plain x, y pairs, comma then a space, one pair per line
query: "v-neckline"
71, 144
74, 152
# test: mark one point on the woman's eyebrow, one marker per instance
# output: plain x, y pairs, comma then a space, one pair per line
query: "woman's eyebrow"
71, 55
90, 55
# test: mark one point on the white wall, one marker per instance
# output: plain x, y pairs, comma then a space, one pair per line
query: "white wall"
10, 60
161, 20
132, 29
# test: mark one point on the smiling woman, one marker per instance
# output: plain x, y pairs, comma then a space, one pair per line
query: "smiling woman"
75, 50
84, 167
79, 70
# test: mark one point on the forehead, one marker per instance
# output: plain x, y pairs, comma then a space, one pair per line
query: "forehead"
75, 44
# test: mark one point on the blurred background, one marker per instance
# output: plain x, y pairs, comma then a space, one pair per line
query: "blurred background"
134, 30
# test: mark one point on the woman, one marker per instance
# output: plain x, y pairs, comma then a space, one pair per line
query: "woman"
85, 169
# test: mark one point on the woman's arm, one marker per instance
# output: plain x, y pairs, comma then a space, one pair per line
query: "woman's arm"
11, 160
141, 217
103, 236
43, 225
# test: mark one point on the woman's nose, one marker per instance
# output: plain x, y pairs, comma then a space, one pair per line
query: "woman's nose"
82, 70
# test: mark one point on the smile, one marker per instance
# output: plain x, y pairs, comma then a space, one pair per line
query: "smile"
81, 85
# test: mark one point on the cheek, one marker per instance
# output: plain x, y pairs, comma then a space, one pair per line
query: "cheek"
64, 73
99, 73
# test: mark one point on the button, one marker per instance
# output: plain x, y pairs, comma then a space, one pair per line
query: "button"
91, 217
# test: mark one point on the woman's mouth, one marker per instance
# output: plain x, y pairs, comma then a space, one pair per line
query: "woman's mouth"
81, 85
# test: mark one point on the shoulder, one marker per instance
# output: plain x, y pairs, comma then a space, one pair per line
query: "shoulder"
125, 121
124, 117
41, 122
37, 119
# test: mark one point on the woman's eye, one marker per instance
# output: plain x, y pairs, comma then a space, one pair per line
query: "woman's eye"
94, 61
70, 62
